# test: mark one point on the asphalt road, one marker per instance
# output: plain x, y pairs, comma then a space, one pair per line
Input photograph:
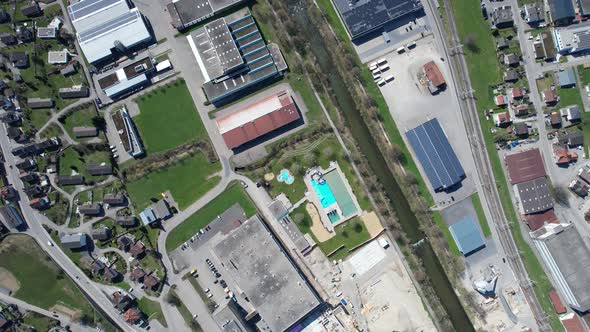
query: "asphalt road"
492, 198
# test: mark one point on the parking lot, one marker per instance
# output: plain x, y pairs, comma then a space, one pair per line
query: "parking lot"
411, 104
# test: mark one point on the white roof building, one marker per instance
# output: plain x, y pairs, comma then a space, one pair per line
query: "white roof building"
103, 25
572, 39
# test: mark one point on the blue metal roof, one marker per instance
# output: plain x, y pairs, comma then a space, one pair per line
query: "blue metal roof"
436, 155
561, 9
567, 77
147, 216
467, 235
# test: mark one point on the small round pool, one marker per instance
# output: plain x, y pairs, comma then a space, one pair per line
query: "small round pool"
285, 176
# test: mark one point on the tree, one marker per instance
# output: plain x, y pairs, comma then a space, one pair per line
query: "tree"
561, 196
173, 299
358, 228
471, 42
395, 152
587, 216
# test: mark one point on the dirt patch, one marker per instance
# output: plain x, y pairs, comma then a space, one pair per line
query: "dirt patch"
372, 223
318, 229
74, 314
8, 281
269, 177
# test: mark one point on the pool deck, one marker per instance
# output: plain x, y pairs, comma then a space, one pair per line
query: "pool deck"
313, 198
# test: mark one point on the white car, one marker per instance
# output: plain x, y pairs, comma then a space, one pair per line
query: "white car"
49, 243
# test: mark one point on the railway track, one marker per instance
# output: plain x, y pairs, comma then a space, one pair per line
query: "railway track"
462, 85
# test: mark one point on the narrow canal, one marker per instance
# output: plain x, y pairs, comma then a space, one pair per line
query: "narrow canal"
360, 131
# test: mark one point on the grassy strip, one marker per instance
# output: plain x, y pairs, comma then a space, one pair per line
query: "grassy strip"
208, 302
233, 194
187, 316
444, 228
152, 309
483, 222
484, 72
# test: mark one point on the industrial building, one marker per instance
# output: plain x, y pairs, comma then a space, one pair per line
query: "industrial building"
265, 276
436, 155
233, 56
128, 133
107, 27
561, 11
568, 259
467, 236
525, 166
362, 17
258, 119
572, 39
186, 13
124, 81
534, 196
435, 78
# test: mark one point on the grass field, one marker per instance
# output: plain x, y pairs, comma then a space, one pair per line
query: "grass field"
39, 322
481, 217
75, 159
152, 309
187, 180
41, 281
87, 116
584, 80
233, 194
439, 221
58, 212
51, 131
484, 72
168, 118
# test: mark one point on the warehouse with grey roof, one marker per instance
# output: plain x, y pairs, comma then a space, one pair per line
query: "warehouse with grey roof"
265, 275
186, 13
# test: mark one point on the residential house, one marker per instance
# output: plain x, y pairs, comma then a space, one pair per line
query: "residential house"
548, 46
4, 16
34, 191
73, 241
122, 301
16, 134
68, 70
124, 243
137, 274
572, 139
93, 209
517, 93
10, 216
132, 315
572, 113
502, 119
501, 100
137, 250
99, 170
101, 233
85, 131
567, 78
555, 119
127, 221
24, 34
162, 210
114, 199
111, 274
539, 50
501, 43
5, 323
550, 96
32, 9
520, 129
7, 193
510, 76
151, 282
26, 164
579, 188
19, 59
36, 103
562, 156
10, 117
502, 17
70, 180
511, 60
8, 39
29, 177
97, 267
47, 33
147, 216
78, 92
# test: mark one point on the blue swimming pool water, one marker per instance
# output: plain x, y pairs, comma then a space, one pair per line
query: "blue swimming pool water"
285, 176
324, 193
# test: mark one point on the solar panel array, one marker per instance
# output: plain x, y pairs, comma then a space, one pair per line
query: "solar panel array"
439, 161
87, 7
108, 26
363, 16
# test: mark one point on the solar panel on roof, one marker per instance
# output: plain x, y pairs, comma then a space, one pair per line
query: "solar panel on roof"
108, 26
87, 7
433, 150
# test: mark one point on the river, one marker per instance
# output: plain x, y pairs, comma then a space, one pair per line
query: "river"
362, 135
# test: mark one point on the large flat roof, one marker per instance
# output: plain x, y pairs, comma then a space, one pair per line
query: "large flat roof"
261, 269
534, 195
258, 119
525, 166
128, 30
90, 13
433, 150
363, 16
567, 257
185, 13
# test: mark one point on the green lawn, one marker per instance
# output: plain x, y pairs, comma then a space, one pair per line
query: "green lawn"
38, 118
584, 79
444, 228
483, 222
152, 309
58, 212
584, 74
42, 283
208, 302
233, 194
168, 118
484, 72
51, 131
187, 180
348, 235
77, 158
39, 322
85, 116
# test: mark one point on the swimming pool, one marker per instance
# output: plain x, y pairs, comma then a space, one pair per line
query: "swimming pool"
322, 190
285, 176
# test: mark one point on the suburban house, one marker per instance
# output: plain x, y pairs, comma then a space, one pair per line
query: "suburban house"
101, 233
502, 17
550, 96
98, 170
36, 103
73, 241
85, 131
502, 119
93, 209
127, 221
70, 180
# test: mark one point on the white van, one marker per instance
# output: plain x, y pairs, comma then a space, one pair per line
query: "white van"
384, 67
401, 50
388, 78
381, 82
381, 61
